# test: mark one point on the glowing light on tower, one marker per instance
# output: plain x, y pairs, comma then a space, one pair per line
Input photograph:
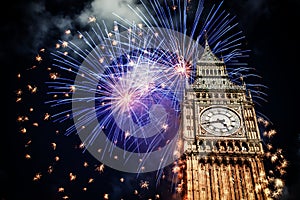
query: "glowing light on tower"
121, 91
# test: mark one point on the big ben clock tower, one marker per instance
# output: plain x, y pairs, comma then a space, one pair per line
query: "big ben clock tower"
222, 144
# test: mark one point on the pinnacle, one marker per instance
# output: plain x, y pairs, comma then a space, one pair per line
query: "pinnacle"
208, 55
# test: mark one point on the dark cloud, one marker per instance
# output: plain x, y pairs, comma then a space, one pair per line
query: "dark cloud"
270, 27
33, 25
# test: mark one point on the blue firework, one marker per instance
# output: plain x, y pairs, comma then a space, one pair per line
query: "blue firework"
127, 96
127, 84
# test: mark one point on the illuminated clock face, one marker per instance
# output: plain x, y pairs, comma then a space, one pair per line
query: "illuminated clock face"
220, 121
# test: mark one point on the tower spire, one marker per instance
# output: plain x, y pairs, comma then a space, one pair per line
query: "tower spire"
221, 138
208, 55
206, 45
209, 64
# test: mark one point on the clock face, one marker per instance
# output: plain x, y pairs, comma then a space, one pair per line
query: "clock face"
220, 121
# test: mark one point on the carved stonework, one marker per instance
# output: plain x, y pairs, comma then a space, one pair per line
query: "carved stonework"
220, 163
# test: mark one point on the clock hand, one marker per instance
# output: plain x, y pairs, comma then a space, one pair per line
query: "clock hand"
216, 121
221, 121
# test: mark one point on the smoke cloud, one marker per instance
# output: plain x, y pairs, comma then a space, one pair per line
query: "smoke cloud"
42, 23
103, 10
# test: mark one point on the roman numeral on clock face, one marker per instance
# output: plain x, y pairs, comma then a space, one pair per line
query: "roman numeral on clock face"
220, 121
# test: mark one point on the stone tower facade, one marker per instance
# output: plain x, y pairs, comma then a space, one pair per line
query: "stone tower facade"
222, 144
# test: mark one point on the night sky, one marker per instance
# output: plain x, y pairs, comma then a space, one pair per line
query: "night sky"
270, 28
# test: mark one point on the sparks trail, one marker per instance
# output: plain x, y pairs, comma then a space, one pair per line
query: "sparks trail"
122, 88
118, 72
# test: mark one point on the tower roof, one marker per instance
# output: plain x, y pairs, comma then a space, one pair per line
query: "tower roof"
208, 56
211, 73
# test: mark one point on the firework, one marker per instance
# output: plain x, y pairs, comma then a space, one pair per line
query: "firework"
129, 82
120, 90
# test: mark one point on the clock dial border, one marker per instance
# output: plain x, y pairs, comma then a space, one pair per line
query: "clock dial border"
220, 120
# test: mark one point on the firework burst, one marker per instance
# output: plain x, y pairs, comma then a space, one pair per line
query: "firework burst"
120, 90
